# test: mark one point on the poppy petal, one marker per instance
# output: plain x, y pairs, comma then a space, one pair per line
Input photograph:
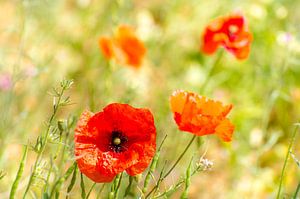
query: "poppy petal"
124, 47
225, 130
106, 46
201, 116
99, 157
231, 32
86, 151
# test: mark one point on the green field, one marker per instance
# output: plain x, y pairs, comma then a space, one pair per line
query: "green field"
46, 43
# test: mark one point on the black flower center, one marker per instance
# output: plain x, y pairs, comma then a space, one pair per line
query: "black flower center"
118, 141
232, 31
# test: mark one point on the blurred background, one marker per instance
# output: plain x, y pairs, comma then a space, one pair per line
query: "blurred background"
45, 41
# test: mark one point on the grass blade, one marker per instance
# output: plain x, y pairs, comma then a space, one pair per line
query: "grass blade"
297, 191
100, 191
286, 160
19, 174
83, 194
90, 191
62, 179
73, 180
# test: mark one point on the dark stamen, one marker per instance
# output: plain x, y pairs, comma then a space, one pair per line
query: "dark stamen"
117, 142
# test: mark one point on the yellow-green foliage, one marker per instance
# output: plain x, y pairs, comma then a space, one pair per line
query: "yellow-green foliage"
45, 41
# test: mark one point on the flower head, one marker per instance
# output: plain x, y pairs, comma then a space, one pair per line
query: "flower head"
118, 138
201, 116
124, 47
231, 32
6, 82
205, 164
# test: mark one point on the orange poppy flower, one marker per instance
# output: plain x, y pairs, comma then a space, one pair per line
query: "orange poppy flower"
124, 47
118, 138
201, 116
231, 32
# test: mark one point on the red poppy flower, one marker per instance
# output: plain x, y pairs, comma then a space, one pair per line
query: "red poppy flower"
231, 32
118, 138
124, 47
201, 116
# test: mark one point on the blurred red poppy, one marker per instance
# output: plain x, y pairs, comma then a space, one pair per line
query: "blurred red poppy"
201, 116
118, 138
124, 47
231, 32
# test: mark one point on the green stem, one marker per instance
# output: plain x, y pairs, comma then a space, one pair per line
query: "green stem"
297, 191
210, 71
128, 189
62, 179
174, 165
184, 194
174, 188
39, 156
19, 174
152, 167
286, 160
82, 186
202, 89
73, 180
180, 157
48, 176
100, 191
160, 179
90, 191
118, 186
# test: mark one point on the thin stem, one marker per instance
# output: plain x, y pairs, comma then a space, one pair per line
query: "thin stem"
286, 160
62, 179
73, 180
178, 184
48, 176
160, 179
202, 89
82, 186
118, 186
64, 149
297, 191
184, 195
174, 165
215, 63
90, 191
100, 191
210, 71
19, 174
65, 84
44, 142
128, 189
180, 157
152, 166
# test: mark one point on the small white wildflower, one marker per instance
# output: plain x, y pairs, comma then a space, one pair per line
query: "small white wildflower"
205, 164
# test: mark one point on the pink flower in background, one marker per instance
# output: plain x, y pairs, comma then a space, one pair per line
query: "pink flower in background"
5, 82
